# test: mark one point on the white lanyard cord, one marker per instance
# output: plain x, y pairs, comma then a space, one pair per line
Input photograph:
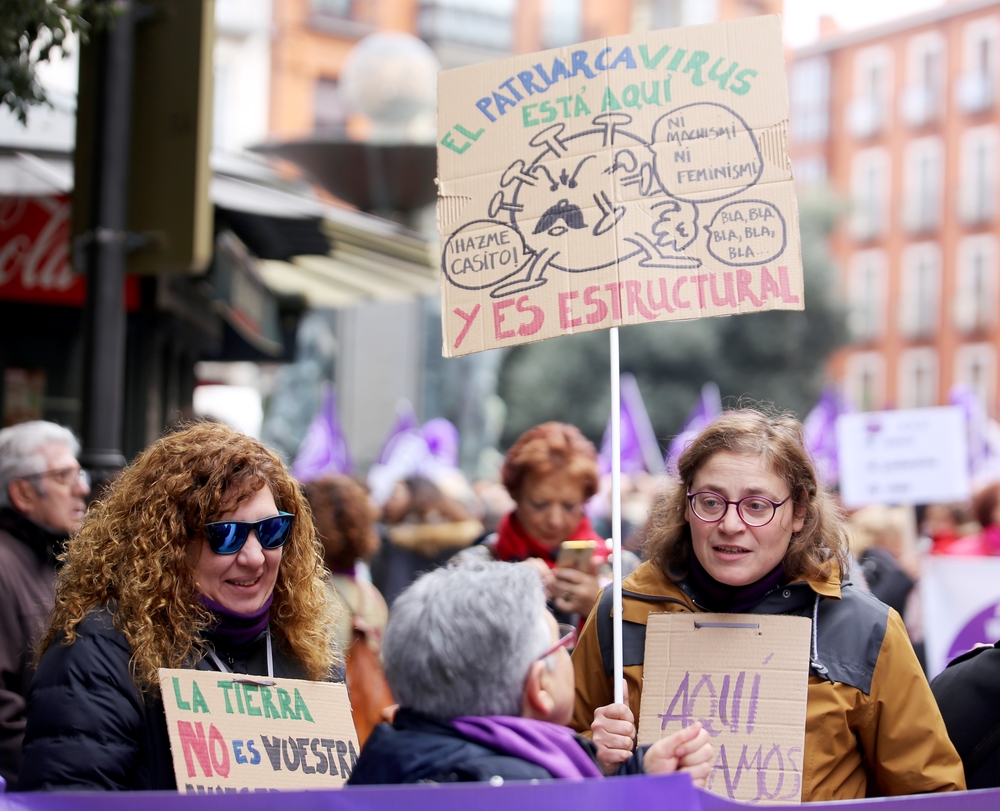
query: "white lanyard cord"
270, 659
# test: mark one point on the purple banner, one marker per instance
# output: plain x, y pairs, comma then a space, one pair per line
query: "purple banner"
669, 793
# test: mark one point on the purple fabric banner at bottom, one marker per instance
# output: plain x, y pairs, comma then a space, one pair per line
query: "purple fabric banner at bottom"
647, 793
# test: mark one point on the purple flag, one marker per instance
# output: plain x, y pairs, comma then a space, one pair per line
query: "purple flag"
639, 448
324, 450
442, 441
406, 422
706, 409
820, 429
977, 423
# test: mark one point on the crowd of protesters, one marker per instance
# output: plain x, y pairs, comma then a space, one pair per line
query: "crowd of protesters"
451, 609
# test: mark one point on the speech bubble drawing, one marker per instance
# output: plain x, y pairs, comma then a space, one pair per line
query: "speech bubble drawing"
704, 152
747, 232
483, 253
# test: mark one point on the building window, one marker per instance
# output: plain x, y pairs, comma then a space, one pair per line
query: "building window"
978, 175
923, 95
809, 99
976, 86
866, 381
867, 295
975, 366
869, 193
918, 378
976, 299
921, 294
868, 110
561, 23
329, 111
470, 23
923, 185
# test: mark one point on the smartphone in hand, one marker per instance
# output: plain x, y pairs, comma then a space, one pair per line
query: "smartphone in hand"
576, 555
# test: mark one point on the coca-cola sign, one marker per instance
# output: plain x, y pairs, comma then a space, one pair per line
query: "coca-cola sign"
34, 254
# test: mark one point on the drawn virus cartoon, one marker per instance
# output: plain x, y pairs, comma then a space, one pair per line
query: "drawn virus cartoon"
569, 186
619, 196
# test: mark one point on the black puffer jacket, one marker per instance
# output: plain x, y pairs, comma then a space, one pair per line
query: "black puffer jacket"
968, 693
417, 748
89, 726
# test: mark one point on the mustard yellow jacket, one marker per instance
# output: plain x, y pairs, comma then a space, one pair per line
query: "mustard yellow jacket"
872, 725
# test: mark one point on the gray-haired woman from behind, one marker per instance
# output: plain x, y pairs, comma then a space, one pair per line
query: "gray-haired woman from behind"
485, 686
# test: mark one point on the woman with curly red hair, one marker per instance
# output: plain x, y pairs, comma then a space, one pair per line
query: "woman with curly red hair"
551, 473
202, 554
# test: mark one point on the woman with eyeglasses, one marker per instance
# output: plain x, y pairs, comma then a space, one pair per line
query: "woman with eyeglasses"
202, 554
747, 529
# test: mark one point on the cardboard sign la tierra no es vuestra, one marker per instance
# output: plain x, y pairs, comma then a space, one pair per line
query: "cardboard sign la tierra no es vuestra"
746, 678
230, 732
622, 181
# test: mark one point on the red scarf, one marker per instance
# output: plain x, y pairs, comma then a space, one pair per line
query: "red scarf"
515, 544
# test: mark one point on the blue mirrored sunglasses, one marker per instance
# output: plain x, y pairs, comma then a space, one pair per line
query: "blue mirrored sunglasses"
228, 537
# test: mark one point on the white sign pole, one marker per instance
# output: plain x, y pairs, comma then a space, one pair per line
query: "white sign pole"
616, 512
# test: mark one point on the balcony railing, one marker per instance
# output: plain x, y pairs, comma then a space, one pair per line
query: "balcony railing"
865, 117
919, 105
974, 92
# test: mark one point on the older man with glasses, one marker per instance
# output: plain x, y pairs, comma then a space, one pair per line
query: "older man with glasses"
42, 501
484, 681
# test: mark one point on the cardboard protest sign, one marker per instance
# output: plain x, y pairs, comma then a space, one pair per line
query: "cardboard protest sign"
909, 456
621, 181
230, 732
745, 677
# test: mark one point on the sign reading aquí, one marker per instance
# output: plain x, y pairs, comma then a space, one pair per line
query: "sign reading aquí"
745, 677
633, 179
243, 733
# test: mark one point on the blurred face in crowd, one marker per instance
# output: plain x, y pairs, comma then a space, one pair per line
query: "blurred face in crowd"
243, 581
730, 550
53, 499
550, 507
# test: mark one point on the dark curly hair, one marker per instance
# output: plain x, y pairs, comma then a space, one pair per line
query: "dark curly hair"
778, 441
345, 520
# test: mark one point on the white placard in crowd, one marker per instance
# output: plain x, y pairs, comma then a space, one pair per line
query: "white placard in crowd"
961, 602
910, 456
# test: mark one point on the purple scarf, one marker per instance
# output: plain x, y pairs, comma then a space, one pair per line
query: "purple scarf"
548, 745
235, 629
719, 597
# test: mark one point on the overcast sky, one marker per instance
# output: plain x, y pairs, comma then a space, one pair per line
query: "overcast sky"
802, 16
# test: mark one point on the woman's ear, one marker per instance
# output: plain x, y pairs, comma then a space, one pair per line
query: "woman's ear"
537, 702
799, 513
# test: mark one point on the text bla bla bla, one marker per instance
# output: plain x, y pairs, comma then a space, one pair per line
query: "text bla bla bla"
609, 303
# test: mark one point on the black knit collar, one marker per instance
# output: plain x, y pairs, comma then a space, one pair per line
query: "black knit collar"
43, 542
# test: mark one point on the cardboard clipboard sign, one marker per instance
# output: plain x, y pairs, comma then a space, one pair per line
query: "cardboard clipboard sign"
232, 732
745, 677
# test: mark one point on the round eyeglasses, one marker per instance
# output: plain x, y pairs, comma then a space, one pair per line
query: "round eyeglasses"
754, 511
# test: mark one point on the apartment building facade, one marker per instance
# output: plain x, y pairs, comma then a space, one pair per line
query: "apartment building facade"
901, 122
311, 39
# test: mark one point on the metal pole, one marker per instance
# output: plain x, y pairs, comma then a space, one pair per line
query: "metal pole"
616, 515
104, 317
